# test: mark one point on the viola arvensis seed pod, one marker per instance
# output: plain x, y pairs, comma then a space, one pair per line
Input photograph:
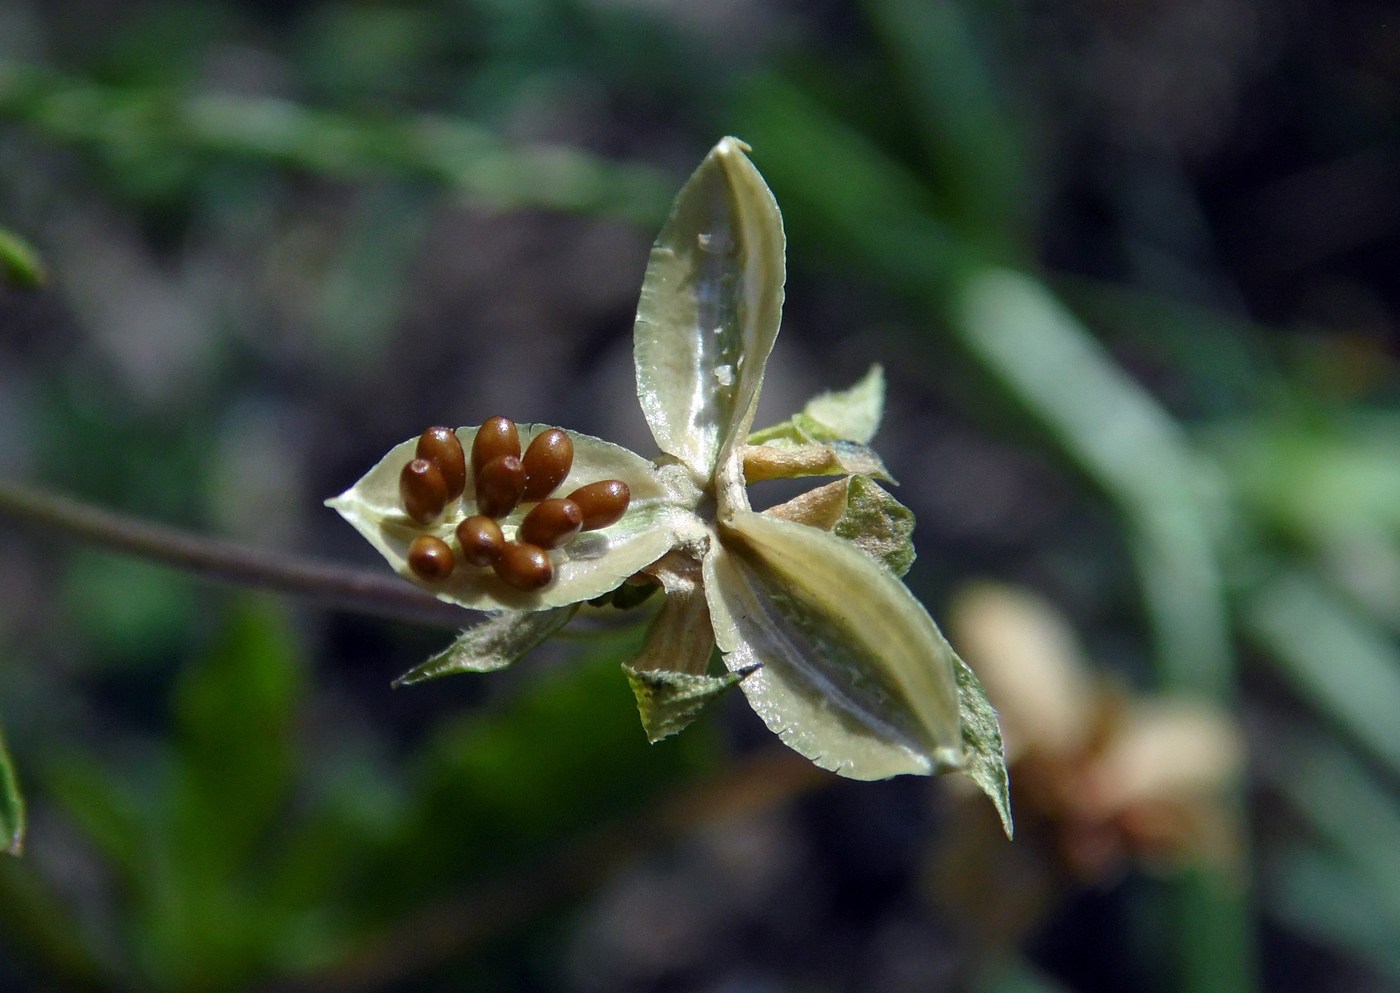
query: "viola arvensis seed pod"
430, 558
494, 439
524, 566
603, 503
440, 446
499, 484
551, 523
423, 490
481, 540
547, 461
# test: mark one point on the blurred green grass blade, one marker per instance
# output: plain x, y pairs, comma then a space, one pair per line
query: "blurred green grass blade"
837, 188
1125, 443
146, 126
966, 131
12, 814
20, 264
1337, 659
1334, 903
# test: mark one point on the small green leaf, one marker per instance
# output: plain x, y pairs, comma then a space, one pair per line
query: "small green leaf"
986, 756
669, 701
848, 668
20, 264
709, 310
843, 415
594, 563
11, 805
493, 644
861, 511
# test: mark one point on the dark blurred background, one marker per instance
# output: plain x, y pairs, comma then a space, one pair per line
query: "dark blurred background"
1130, 268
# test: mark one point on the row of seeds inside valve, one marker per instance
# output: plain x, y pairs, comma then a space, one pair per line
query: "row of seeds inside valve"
504, 479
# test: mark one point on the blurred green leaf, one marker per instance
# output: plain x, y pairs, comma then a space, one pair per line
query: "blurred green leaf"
20, 264
11, 804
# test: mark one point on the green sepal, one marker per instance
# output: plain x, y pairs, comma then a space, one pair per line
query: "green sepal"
985, 754
493, 644
12, 816
841, 415
861, 511
669, 701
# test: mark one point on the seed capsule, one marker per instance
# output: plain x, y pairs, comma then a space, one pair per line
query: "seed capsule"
547, 461
430, 558
481, 540
551, 523
524, 566
499, 484
603, 503
441, 447
495, 438
423, 490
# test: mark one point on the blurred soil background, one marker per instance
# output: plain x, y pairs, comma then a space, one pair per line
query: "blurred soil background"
1131, 271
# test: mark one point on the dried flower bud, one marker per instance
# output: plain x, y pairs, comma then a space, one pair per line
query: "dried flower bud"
481, 540
524, 566
551, 523
495, 438
547, 461
499, 484
430, 558
423, 490
603, 503
440, 446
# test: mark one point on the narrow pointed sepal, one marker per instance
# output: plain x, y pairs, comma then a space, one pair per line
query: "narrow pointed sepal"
985, 759
709, 310
669, 701
781, 459
493, 644
847, 666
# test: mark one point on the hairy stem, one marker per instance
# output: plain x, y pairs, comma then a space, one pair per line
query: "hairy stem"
332, 585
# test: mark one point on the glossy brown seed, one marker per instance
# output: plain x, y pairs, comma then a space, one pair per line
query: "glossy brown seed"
481, 540
499, 484
422, 490
603, 503
551, 523
525, 566
440, 446
430, 558
494, 439
547, 461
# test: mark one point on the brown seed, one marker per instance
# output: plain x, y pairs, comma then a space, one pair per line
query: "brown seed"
499, 484
495, 438
551, 523
603, 503
423, 490
524, 566
481, 540
430, 558
547, 461
440, 446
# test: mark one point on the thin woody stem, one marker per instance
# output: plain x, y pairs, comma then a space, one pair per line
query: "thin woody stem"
332, 585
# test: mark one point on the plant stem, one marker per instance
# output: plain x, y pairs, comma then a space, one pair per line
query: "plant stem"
336, 586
